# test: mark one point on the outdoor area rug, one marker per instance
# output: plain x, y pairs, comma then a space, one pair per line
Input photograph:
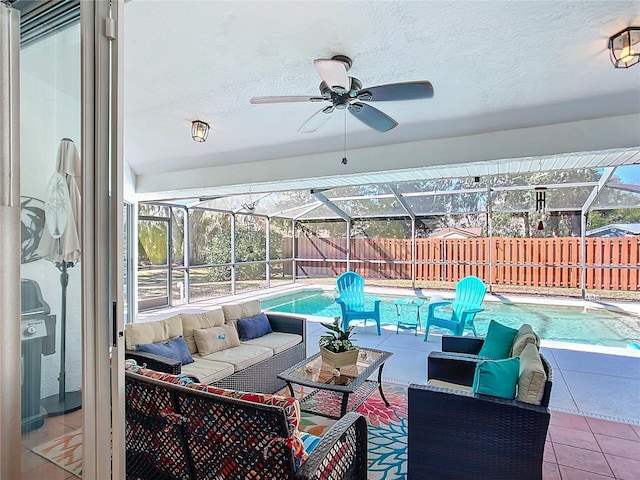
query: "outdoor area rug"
65, 451
387, 429
387, 452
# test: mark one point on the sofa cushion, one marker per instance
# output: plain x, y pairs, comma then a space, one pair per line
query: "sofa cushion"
289, 404
533, 378
497, 377
235, 311
498, 342
241, 357
276, 341
191, 321
152, 332
525, 336
207, 371
175, 349
253, 327
214, 339
442, 384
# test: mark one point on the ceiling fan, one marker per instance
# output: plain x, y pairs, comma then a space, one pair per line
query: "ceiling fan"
345, 92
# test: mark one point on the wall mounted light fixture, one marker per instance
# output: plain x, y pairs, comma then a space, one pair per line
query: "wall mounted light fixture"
199, 130
624, 48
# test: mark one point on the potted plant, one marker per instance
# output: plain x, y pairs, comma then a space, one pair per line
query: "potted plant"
336, 347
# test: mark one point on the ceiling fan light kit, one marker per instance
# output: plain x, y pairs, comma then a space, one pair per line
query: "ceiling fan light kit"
346, 93
199, 131
624, 48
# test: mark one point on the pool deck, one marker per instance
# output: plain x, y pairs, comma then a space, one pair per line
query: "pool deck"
593, 381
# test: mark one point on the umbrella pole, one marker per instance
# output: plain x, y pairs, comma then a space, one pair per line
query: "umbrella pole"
63, 402
62, 377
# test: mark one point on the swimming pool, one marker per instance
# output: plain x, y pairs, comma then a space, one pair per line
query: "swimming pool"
591, 326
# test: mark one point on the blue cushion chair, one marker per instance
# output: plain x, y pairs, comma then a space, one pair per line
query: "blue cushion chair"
470, 293
354, 303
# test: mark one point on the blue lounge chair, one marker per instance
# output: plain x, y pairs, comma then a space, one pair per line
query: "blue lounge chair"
353, 302
470, 293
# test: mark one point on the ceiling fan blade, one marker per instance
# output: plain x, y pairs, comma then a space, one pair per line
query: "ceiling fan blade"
372, 117
333, 73
316, 120
396, 91
285, 99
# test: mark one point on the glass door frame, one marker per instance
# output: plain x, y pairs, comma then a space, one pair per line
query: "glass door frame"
102, 310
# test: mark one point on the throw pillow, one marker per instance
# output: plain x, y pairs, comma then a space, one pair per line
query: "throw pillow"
525, 336
253, 327
532, 376
191, 321
215, 339
176, 349
497, 377
498, 342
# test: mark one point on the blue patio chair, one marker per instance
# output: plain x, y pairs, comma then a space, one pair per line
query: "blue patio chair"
354, 303
470, 293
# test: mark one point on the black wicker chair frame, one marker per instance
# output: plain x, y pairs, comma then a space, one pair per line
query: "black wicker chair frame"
455, 434
175, 432
260, 377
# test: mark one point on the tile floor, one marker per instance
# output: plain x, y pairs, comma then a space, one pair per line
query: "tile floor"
595, 407
35, 467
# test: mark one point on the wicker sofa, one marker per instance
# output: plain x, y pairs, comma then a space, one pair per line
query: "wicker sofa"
178, 429
251, 365
456, 434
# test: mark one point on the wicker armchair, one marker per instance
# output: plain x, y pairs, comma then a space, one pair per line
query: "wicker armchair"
175, 432
455, 434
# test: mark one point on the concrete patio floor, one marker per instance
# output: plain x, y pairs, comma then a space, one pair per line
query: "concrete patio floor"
602, 385
594, 431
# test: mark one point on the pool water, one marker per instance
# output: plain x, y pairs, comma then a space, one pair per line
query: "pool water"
592, 326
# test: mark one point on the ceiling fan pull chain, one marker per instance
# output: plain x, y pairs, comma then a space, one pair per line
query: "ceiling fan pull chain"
344, 157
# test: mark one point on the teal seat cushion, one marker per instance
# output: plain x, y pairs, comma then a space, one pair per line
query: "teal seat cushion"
497, 377
498, 342
310, 443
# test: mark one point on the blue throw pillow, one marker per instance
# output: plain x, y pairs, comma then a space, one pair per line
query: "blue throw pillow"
497, 377
176, 349
498, 342
253, 327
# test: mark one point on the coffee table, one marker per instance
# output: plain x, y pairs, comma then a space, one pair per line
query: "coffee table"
329, 398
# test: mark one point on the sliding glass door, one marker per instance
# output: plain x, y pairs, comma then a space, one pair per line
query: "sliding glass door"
61, 302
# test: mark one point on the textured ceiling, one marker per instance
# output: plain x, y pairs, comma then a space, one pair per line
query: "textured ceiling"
494, 65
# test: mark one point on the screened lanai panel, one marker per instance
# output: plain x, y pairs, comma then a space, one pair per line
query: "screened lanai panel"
524, 200
371, 207
610, 197
280, 239
440, 204
177, 236
284, 204
250, 238
269, 204
441, 185
359, 191
209, 237
153, 210
322, 212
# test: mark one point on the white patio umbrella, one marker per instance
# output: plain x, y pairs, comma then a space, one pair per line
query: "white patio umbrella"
60, 244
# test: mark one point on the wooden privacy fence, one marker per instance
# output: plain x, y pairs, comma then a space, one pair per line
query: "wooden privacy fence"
611, 263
